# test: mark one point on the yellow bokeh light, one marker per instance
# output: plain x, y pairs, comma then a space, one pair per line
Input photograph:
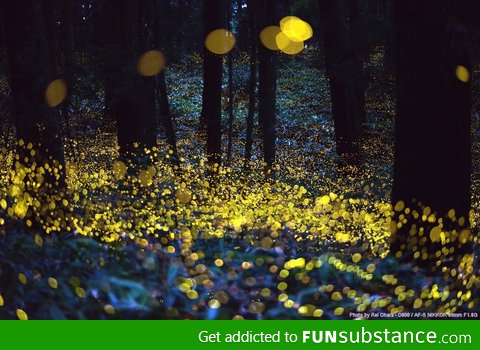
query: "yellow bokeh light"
52, 282
119, 169
462, 74
220, 41
268, 37
183, 195
109, 309
296, 29
288, 46
55, 93
151, 63
22, 315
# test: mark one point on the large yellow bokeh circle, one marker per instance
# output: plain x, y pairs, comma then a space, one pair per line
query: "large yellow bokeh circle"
150, 63
220, 41
268, 37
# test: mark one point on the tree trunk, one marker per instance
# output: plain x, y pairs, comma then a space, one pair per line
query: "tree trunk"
68, 36
243, 26
340, 66
388, 51
356, 38
37, 124
144, 30
252, 86
166, 116
211, 118
432, 133
162, 93
267, 76
50, 15
126, 96
2, 29
230, 88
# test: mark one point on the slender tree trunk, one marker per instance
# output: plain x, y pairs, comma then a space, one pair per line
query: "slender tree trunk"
211, 118
230, 88
243, 26
31, 72
144, 30
68, 37
164, 16
166, 116
163, 103
50, 15
126, 96
340, 65
80, 27
2, 29
388, 54
432, 133
252, 86
267, 76
179, 35
359, 76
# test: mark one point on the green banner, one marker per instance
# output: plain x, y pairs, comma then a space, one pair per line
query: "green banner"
250, 335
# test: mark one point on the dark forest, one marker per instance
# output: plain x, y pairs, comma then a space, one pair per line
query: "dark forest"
239, 159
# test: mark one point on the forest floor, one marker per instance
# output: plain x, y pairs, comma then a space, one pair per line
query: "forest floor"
312, 243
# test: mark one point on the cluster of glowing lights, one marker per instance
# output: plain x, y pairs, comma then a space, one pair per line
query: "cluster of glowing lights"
185, 209
289, 37
175, 211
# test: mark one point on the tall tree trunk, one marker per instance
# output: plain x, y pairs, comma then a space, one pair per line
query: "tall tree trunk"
78, 13
68, 38
340, 65
145, 32
252, 85
243, 26
432, 133
162, 93
2, 29
230, 88
211, 118
267, 76
126, 96
166, 116
37, 124
388, 51
164, 16
184, 28
50, 15
356, 38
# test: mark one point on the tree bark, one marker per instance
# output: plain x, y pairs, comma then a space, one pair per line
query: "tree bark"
340, 68
68, 38
125, 90
359, 55
252, 86
267, 76
31, 71
162, 93
2, 29
50, 15
230, 88
211, 117
166, 116
432, 133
